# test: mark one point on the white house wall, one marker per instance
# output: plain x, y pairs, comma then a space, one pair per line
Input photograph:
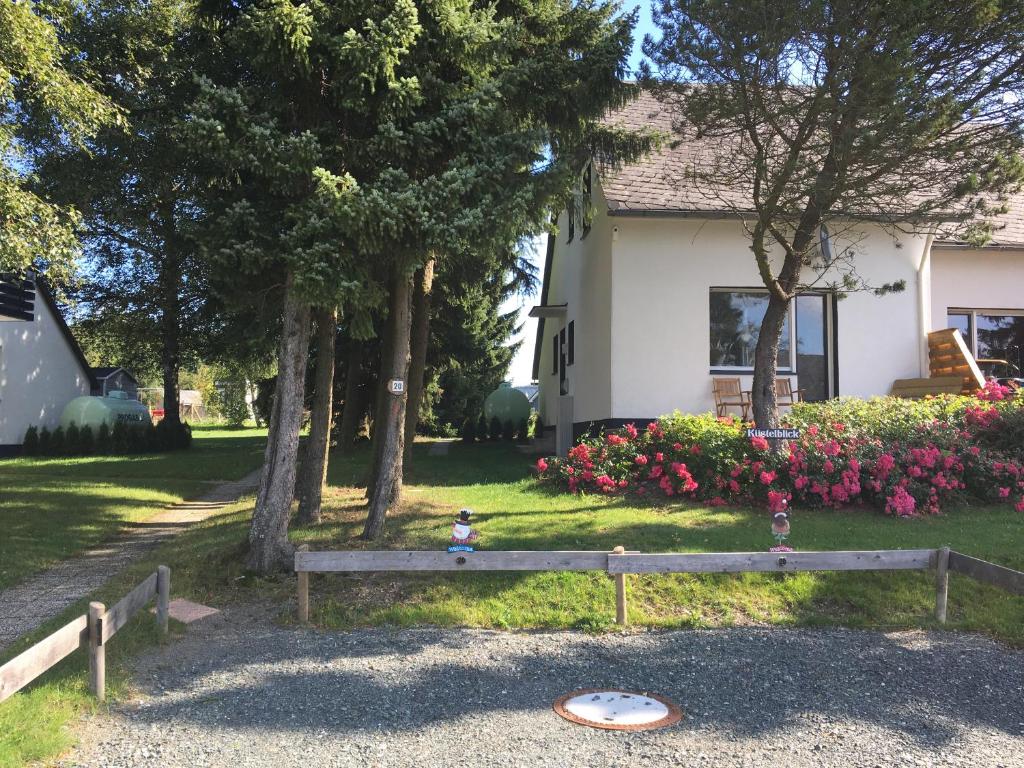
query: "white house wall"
581, 277
39, 374
662, 270
974, 278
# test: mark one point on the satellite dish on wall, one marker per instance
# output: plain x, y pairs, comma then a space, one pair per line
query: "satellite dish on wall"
825, 245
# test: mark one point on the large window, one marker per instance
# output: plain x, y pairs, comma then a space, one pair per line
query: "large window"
991, 334
736, 317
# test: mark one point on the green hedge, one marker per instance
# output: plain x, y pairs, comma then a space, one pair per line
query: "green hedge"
83, 441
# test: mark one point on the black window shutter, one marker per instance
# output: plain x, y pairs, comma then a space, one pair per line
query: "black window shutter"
554, 353
572, 343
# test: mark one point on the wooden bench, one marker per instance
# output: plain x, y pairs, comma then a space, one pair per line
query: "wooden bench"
915, 389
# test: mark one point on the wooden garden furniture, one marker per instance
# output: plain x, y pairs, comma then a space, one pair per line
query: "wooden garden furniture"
729, 394
785, 394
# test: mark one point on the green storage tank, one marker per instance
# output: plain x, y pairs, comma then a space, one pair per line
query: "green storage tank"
115, 407
507, 404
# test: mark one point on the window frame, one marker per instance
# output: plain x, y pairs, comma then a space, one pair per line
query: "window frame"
972, 322
788, 370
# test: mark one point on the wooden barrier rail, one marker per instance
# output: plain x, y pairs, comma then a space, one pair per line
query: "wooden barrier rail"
619, 563
764, 562
92, 631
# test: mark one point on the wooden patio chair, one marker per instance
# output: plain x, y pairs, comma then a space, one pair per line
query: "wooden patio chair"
729, 394
785, 394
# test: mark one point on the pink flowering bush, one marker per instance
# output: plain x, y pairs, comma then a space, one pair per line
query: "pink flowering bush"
905, 458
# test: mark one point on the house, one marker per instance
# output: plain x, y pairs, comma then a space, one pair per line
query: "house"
113, 378
42, 368
532, 392
657, 293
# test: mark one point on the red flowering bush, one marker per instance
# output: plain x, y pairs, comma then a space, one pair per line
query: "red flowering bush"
903, 457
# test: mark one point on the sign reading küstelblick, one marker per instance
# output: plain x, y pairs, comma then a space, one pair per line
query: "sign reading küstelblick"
778, 433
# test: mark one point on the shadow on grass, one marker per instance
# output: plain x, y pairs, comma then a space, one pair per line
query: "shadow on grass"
482, 464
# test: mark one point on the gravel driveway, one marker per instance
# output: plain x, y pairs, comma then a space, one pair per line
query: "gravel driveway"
238, 691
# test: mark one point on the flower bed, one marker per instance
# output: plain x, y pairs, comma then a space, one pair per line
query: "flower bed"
904, 457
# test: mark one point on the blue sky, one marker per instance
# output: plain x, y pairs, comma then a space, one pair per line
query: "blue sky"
522, 365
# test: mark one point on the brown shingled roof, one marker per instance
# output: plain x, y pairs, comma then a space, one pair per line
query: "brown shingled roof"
663, 182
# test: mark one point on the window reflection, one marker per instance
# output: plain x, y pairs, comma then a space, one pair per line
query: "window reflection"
1000, 337
735, 324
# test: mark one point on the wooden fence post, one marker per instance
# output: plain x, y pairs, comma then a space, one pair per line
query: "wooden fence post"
97, 652
621, 614
163, 598
303, 591
941, 583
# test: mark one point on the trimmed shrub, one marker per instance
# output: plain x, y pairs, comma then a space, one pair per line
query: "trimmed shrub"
58, 442
481, 428
73, 439
103, 438
508, 431
119, 438
30, 445
538, 426
494, 432
44, 442
468, 432
523, 433
173, 438
906, 458
86, 441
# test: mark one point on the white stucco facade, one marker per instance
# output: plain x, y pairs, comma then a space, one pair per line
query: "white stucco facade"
975, 278
39, 374
639, 287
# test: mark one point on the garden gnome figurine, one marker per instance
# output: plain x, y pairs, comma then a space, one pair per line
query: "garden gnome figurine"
462, 534
780, 527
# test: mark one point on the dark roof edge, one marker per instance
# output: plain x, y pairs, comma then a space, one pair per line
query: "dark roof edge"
69, 337
549, 257
947, 245
696, 213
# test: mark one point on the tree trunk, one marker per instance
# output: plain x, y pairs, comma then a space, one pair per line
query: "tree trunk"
313, 470
383, 400
390, 426
352, 408
766, 355
422, 286
269, 548
170, 329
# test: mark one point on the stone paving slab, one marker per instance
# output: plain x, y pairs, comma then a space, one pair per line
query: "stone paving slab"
30, 603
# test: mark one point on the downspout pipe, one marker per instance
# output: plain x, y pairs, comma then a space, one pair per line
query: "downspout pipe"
924, 303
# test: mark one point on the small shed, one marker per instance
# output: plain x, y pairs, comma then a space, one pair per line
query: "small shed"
112, 378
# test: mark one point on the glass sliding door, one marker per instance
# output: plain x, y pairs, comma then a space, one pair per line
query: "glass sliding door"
812, 346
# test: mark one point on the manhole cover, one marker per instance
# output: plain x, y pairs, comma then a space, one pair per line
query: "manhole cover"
618, 710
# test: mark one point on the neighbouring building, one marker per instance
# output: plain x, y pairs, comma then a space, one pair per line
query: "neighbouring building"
114, 379
42, 368
657, 293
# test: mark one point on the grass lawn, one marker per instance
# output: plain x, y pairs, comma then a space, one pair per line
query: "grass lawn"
514, 513
53, 508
